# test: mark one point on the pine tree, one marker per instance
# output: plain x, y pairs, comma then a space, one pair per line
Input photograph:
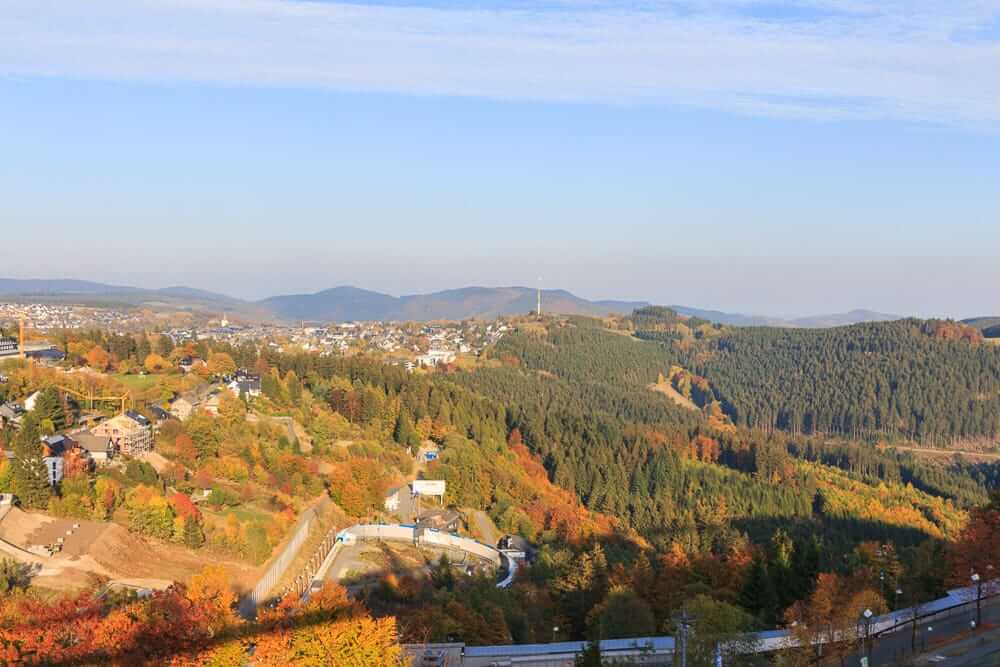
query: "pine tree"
48, 406
194, 537
30, 476
758, 594
591, 656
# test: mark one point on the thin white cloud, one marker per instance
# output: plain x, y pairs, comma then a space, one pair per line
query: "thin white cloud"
824, 59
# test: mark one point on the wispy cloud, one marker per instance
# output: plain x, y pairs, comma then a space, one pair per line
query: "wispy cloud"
924, 60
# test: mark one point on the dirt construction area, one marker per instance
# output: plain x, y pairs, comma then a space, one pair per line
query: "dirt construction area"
361, 565
91, 551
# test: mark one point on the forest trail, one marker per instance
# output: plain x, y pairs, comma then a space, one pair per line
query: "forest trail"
981, 456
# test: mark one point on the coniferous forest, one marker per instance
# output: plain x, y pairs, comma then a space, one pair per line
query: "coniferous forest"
651, 462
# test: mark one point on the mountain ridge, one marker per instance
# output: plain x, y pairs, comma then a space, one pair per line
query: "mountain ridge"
347, 303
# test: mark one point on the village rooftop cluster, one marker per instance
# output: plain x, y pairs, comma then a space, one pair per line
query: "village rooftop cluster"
409, 344
46, 317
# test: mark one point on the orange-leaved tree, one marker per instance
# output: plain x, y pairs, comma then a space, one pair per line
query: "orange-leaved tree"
977, 549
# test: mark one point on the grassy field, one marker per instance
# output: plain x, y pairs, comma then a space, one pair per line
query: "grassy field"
135, 382
242, 512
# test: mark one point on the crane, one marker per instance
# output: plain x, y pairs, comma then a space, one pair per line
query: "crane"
125, 399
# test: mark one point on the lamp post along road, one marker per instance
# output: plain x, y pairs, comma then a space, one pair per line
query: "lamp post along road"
979, 598
684, 622
868, 643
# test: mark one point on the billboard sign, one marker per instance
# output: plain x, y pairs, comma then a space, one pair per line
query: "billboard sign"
428, 487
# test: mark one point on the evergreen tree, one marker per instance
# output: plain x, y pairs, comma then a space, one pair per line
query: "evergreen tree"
591, 656
49, 407
405, 433
30, 476
758, 595
194, 536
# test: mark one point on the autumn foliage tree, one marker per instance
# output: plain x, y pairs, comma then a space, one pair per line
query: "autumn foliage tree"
97, 358
192, 625
220, 363
327, 630
833, 612
154, 363
977, 549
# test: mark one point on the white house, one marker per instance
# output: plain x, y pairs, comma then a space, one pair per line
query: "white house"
436, 358
29, 403
392, 498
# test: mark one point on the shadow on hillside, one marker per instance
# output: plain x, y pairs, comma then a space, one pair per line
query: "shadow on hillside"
835, 532
141, 649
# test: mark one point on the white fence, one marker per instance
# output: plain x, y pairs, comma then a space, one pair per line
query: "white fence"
407, 533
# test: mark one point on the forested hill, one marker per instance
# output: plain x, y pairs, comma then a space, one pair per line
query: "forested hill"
930, 381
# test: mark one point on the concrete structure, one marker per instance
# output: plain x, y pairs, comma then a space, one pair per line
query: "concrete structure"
639, 651
8, 346
447, 521
436, 358
130, 433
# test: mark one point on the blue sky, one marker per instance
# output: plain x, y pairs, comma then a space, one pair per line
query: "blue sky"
782, 158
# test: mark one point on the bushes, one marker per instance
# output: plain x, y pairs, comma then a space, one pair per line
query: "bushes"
140, 472
220, 497
149, 513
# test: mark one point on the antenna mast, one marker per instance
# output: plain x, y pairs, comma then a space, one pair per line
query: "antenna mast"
21, 350
538, 308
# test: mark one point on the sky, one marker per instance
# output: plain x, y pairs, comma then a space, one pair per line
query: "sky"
777, 158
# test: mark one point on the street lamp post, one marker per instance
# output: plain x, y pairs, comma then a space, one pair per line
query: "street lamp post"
977, 581
868, 627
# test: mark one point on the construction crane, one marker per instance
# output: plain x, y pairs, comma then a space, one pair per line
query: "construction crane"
125, 400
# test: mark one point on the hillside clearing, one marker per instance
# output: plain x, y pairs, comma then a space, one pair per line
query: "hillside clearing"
667, 390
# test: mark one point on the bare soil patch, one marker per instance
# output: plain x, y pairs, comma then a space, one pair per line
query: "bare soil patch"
108, 550
667, 390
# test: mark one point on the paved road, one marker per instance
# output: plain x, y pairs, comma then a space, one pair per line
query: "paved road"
890, 649
349, 560
488, 533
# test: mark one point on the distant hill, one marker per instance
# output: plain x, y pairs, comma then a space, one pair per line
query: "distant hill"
92, 293
33, 287
347, 303
814, 322
352, 303
983, 322
732, 319
843, 319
